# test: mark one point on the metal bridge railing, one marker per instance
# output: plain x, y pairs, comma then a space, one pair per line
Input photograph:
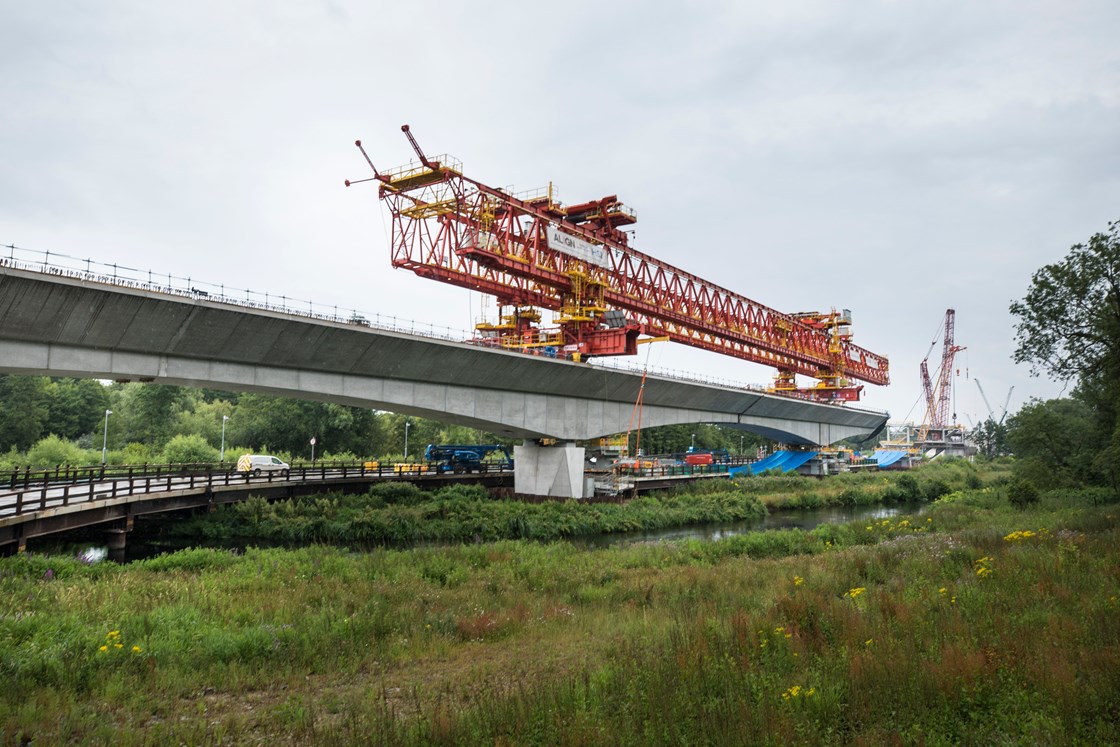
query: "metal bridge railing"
63, 265
25, 491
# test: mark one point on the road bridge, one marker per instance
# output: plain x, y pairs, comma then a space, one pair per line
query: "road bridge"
70, 322
37, 504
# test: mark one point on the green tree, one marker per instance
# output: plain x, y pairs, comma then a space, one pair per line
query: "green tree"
288, 425
1069, 325
205, 419
148, 413
990, 438
1069, 322
1055, 442
75, 407
676, 439
23, 410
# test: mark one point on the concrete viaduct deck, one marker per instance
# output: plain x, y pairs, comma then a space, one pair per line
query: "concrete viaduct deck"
70, 323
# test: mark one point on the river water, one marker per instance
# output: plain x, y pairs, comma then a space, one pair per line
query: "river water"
804, 518
138, 548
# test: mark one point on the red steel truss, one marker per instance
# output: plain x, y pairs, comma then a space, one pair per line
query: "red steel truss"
531, 252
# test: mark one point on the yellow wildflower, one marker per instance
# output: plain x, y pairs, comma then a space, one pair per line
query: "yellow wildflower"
103, 648
855, 592
135, 649
942, 590
797, 580
795, 691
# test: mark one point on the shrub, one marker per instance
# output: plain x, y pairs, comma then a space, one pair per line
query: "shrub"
934, 489
907, 487
189, 450
53, 451
1083, 496
133, 453
404, 493
1022, 493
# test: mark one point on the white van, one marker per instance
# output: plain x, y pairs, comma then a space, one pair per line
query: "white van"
258, 463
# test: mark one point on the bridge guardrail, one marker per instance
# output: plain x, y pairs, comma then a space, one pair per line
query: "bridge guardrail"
24, 491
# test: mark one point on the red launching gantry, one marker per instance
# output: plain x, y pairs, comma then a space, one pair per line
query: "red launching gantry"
531, 252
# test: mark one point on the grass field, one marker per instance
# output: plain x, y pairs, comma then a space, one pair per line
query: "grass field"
970, 623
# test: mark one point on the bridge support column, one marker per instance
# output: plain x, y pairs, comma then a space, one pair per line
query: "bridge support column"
116, 540
549, 470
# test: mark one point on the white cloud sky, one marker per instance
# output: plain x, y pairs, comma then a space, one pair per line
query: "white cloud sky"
893, 158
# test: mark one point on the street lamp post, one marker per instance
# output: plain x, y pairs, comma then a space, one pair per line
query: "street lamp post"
105, 437
693, 447
740, 445
222, 458
407, 425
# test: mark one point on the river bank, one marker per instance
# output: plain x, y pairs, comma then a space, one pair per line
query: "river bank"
821, 636
401, 515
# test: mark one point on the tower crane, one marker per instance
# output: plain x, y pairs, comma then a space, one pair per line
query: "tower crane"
531, 252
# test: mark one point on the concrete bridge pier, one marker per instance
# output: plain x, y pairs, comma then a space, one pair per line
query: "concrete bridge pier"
549, 470
116, 539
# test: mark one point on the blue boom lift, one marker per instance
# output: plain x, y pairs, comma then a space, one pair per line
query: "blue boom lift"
464, 457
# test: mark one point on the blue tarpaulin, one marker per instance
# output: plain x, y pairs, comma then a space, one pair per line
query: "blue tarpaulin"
887, 458
786, 461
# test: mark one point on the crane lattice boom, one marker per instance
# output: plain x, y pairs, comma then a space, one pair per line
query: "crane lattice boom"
938, 395
531, 252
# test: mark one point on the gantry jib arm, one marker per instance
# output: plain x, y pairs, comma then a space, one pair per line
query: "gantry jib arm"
516, 264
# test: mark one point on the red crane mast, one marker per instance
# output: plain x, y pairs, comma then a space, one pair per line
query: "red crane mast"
531, 252
938, 396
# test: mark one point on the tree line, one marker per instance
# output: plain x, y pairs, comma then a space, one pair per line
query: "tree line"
1068, 328
45, 422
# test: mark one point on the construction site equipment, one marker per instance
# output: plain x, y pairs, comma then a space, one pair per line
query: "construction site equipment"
991, 413
531, 252
938, 395
460, 458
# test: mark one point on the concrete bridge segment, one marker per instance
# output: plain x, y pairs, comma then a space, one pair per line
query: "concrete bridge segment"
59, 325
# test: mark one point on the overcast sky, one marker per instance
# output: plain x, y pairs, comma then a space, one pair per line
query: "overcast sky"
892, 158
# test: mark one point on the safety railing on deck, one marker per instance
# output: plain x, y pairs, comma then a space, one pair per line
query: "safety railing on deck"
63, 265
23, 491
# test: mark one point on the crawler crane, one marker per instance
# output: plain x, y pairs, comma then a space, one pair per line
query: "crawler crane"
530, 252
